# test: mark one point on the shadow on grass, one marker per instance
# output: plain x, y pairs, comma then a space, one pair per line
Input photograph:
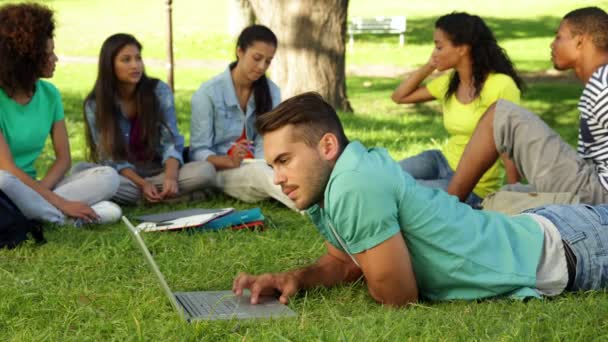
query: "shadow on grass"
420, 30
398, 133
359, 85
556, 104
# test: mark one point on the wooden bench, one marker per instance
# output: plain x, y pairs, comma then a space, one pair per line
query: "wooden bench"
377, 25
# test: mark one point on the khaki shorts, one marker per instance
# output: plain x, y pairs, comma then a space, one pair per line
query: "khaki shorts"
511, 202
543, 157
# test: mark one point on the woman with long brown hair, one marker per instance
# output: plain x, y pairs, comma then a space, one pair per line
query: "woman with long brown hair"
131, 126
224, 109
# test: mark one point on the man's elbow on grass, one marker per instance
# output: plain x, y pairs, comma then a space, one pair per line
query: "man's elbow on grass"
395, 298
392, 290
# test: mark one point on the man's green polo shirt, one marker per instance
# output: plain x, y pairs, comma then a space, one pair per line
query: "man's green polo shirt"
457, 252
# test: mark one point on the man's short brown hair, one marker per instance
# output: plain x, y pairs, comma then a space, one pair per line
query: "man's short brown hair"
592, 21
311, 116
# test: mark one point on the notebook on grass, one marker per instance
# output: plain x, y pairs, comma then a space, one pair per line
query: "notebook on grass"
182, 219
237, 219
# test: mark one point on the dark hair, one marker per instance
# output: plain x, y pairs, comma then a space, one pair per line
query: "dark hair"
105, 94
24, 32
261, 91
311, 116
465, 29
592, 21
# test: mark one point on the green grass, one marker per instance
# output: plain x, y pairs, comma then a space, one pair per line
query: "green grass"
93, 284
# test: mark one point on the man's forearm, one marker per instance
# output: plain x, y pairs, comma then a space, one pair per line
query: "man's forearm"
327, 271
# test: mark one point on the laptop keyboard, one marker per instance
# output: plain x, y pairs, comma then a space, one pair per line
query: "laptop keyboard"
205, 304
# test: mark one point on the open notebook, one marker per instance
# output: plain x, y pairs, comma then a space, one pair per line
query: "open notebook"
181, 219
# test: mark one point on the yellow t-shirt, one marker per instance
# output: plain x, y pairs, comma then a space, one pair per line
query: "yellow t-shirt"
460, 120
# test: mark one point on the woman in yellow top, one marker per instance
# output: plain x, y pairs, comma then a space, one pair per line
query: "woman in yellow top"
482, 73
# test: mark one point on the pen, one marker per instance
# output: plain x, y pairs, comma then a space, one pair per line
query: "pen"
249, 145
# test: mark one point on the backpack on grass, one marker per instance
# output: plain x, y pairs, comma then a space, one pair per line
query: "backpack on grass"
14, 227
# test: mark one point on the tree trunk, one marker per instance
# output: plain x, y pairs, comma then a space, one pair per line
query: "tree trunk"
240, 15
310, 56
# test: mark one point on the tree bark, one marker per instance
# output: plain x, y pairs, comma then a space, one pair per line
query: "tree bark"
310, 55
170, 62
240, 15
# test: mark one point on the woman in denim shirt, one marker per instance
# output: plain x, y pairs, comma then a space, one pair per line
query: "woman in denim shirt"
132, 127
224, 109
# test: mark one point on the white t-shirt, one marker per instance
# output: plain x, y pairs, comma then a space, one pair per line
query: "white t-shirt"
552, 270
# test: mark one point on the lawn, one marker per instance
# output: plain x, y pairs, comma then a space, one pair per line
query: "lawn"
93, 284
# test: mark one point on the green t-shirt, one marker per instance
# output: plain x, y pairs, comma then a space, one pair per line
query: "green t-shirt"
461, 119
457, 252
26, 127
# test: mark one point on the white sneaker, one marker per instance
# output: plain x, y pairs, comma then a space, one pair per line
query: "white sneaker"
108, 212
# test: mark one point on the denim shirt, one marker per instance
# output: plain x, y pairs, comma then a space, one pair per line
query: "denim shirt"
171, 142
217, 118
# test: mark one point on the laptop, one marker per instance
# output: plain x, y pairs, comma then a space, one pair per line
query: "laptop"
212, 305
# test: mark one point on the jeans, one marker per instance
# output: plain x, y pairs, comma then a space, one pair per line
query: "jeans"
191, 176
431, 169
88, 186
585, 229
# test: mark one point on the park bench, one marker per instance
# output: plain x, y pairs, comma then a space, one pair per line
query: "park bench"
377, 25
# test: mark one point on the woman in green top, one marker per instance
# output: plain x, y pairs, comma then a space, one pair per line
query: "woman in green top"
481, 74
30, 111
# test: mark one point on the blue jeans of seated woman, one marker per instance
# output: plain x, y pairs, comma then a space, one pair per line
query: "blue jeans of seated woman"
431, 169
585, 229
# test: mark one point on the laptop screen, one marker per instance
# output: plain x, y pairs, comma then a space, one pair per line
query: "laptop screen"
152, 264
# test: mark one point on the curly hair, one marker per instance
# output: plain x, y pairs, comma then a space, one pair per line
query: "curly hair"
465, 29
24, 32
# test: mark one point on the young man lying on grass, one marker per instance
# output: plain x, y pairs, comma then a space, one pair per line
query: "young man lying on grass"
540, 154
409, 241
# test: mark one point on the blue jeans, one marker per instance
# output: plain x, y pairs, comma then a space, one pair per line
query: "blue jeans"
585, 229
431, 169
89, 186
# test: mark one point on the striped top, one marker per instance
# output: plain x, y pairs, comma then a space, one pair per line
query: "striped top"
593, 129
